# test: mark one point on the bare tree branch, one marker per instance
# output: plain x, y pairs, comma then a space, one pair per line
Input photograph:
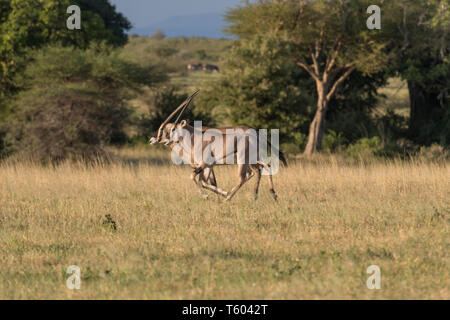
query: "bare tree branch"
315, 62
309, 69
339, 81
331, 59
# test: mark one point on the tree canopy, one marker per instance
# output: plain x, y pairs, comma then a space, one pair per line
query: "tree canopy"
74, 102
328, 39
29, 24
421, 43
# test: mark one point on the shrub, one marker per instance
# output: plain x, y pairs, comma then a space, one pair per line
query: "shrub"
332, 141
434, 152
65, 123
201, 54
159, 35
365, 147
73, 103
165, 52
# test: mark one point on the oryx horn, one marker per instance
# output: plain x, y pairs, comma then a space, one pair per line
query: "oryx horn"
186, 105
182, 106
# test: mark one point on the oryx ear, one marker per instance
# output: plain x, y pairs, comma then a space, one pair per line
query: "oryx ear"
183, 123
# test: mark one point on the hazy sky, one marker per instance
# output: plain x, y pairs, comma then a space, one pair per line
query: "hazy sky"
142, 13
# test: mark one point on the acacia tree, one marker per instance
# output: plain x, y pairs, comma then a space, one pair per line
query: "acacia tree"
327, 38
259, 87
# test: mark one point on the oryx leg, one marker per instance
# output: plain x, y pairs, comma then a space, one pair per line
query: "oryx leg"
272, 190
208, 176
249, 174
212, 178
242, 174
269, 176
199, 171
258, 179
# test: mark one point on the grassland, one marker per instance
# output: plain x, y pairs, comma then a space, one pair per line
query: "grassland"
176, 53
332, 221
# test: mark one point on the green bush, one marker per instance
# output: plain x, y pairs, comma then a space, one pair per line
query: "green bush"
201, 54
365, 147
73, 103
332, 141
165, 52
298, 144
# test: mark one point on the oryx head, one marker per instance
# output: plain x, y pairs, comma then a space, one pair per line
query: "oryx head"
166, 129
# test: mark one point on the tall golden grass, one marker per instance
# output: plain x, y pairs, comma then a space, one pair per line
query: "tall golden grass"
332, 221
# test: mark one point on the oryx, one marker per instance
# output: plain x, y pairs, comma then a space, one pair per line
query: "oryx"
203, 169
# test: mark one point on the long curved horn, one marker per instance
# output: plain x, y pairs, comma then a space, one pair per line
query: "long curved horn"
186, 105
187, 101
182, 106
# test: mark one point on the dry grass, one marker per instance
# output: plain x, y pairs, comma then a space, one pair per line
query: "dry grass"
332, 221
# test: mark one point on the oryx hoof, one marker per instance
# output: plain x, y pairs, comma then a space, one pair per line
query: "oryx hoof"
274, 195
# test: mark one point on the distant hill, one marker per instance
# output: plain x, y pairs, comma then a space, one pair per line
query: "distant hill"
208, 25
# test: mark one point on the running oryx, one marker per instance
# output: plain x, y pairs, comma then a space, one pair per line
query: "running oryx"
239, 146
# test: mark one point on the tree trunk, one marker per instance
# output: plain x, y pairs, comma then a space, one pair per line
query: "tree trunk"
425, 108
325, 92
317, 126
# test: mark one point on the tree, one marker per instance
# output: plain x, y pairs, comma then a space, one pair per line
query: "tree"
328, 38
29, 24
158, 35
260, 87
5, 7
112, 24
421, 40
74, 102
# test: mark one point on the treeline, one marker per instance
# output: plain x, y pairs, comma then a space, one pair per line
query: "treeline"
312, 69
64, 93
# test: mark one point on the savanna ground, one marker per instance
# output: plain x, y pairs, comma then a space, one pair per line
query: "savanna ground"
334, 218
